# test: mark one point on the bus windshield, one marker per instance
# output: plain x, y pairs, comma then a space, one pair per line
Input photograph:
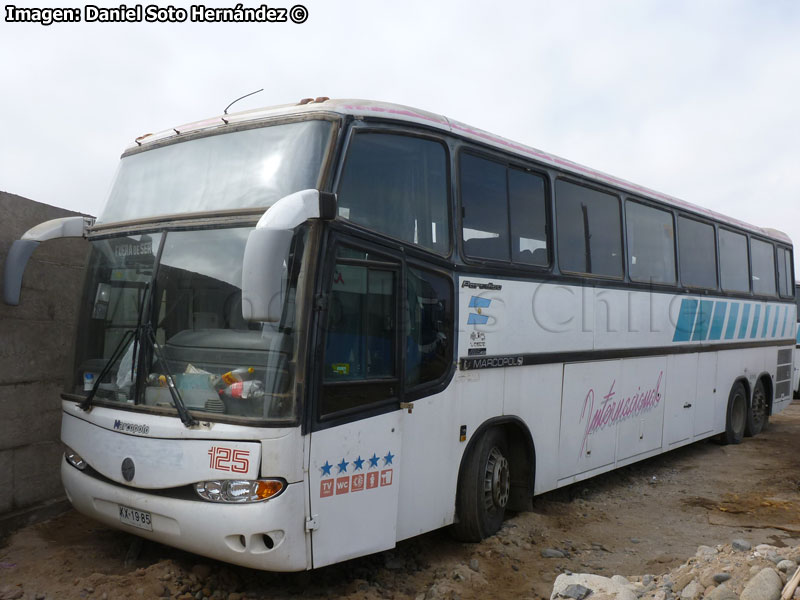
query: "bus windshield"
242, 169
189, 301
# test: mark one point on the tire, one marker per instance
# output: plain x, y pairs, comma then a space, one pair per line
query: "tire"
758, 412
483, 489
736, 415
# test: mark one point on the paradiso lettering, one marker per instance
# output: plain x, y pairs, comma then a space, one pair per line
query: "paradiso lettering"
611, 411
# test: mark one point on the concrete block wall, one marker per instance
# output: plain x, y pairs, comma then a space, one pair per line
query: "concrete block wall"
36, 345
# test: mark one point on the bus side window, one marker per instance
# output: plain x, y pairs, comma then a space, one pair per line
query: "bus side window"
734, 268
397, 185
785, 272
429, 337
526, 195
484, 202
698, 254
762, 255
589, 230
651, 243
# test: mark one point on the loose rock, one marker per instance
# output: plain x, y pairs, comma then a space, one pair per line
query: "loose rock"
600, 586
722, 593
576, 591
766, 585
787, 566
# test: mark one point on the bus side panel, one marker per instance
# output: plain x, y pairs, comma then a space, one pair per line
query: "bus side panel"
432, 452
534, 394
588, 439
680, 399
641, 423
705, 405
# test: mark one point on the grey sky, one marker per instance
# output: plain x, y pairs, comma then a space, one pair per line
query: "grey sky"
695, 99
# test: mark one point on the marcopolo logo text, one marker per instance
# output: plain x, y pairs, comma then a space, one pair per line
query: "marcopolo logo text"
131, 427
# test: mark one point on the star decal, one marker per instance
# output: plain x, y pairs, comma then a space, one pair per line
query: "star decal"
373, 462
326, 469
359, 462
388, 458
343, 466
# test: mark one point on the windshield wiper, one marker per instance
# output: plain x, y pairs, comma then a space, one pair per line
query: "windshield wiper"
115, 356
183, 413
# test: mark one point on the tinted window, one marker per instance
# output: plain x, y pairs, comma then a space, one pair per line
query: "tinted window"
797, 300
397, 184
589, 230
698, 254
763, 258
785, 272
429, 339
359, 364
484, 208
526, 195
734, 268
651, 243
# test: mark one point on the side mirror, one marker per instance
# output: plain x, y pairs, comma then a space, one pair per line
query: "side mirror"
267, 251
21, 250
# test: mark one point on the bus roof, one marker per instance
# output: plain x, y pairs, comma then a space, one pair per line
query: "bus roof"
397, 112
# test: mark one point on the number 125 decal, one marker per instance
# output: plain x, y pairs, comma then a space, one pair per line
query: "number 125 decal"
228, 459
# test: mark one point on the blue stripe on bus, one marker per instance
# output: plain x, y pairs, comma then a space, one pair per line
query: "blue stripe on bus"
745, 319
703, 321
476, 319
718, 320
775, 324
754, 328
683, 330
785, 315
766, 322
730, 331
798, 336
477, 302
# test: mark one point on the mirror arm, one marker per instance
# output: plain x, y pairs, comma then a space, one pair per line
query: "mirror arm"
22, 249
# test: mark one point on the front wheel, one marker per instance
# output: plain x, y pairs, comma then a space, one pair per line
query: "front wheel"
736, 415
483, 489
758, 415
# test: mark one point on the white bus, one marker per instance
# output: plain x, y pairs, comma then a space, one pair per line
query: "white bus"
796, 381
314, 330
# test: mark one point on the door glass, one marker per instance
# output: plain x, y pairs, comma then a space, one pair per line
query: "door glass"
429, 337
360, 361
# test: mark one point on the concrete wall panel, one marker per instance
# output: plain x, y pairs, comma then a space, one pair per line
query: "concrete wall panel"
36, 346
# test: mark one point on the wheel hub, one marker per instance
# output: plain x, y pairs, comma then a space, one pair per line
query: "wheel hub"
497, 481
758, 409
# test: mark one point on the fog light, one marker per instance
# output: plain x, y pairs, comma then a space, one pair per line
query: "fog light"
75, 459
239, 490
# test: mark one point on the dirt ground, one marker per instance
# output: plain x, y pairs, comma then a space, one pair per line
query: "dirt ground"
642, 519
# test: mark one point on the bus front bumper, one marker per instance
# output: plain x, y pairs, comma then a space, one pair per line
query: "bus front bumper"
264, 535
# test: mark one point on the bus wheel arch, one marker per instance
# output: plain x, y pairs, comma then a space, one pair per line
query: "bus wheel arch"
496, 473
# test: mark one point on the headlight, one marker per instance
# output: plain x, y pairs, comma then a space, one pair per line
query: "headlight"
239, 490
74, 459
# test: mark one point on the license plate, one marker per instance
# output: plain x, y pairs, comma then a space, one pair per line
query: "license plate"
137, 518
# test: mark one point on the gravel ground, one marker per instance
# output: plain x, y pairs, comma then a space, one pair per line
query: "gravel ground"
642, 521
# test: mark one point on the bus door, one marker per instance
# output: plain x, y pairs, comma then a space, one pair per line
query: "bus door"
355, 449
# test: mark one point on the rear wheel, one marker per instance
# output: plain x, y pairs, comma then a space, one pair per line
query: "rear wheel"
758, 414
736, 415
483, 489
